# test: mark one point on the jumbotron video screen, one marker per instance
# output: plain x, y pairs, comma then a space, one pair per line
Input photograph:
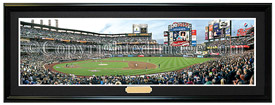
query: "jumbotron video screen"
137, 51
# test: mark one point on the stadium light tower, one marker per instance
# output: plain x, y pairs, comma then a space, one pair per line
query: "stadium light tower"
56, 22
49, 22
41, 22
32, 21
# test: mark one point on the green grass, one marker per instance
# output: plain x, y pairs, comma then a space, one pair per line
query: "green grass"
109, 65
167, 64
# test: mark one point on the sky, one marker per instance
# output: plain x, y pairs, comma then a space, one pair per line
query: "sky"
156, 26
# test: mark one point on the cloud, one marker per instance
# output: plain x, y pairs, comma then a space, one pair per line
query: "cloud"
105, 28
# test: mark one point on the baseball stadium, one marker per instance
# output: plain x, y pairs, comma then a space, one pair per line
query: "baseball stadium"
52, 55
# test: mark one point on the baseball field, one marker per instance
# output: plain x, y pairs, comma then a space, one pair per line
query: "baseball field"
126, 65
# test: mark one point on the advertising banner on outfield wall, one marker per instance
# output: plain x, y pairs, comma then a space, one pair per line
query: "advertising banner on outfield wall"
227, 31
206, 35
214, 53
48, 38
194, 43
130, 55
180, 43
171, 35
136, 28
215, 29
210, 28
225, 24
139, 34
179, 24
140, 55
194, 37
211, 35
218, 33
165, 39
165, 33
180, 29
194, 32
240, 46
216, 26
199, 56
143, 28
210, 32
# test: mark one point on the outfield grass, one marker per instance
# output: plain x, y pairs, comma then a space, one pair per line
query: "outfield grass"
109, 64
167, 64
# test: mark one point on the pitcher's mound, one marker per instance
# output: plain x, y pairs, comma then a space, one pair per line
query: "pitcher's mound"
102, 64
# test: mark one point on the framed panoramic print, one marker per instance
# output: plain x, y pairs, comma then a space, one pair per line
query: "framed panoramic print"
137, 52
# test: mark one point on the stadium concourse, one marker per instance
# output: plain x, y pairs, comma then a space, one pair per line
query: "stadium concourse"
235, 69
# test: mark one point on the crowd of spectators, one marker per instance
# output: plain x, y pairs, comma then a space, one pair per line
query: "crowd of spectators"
234, 41
32, 70
39, 33
235, 69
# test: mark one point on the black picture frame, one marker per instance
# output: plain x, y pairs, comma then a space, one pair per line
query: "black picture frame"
13, 93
